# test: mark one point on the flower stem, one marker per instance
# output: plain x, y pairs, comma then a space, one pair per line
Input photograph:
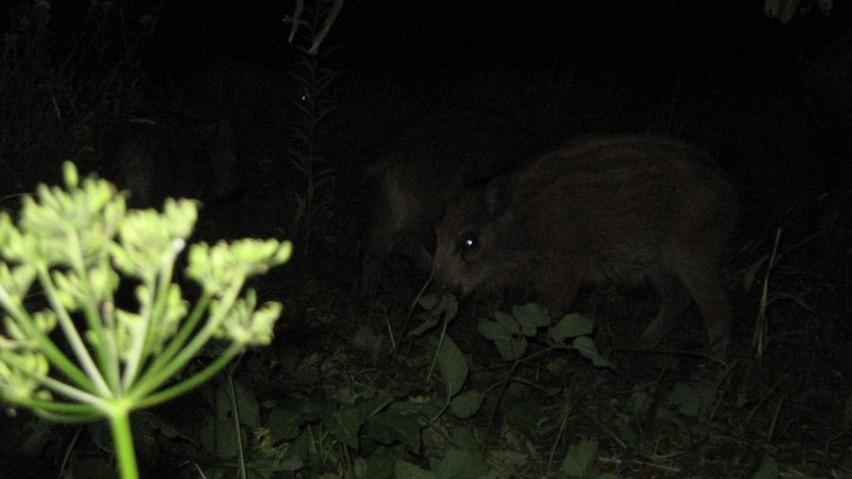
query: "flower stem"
192, 382
119, 421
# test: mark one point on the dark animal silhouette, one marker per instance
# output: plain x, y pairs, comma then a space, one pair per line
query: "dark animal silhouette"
159, 156
413, 179
623, 208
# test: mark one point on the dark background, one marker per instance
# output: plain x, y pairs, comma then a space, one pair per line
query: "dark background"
769, 100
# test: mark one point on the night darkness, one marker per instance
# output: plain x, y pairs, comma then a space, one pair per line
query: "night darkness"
442, 97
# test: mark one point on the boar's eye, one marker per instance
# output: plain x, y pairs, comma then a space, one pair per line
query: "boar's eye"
467, 245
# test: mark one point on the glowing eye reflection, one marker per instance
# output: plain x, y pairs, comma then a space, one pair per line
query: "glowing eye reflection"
467, 245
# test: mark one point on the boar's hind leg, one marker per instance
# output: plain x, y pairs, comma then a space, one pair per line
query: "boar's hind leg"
703, 281
674, 299
709, 291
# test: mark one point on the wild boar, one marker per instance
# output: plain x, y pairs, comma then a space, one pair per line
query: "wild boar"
624, 208
431, 161
164, 155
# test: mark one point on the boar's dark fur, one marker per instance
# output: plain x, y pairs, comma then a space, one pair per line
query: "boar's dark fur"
413, 179
623, 208
170, 154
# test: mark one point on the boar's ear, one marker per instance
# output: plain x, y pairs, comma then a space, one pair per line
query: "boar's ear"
497, 197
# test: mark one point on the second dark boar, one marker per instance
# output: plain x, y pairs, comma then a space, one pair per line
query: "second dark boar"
169, 154
413, 179
623, 208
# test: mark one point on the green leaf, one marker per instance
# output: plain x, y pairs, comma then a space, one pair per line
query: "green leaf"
586, 347
379, 465
292, 464
505, 334
428, 301
449, 306
692, 399
530, 317
429, 323
494, 331
513, 349
768, 469
580, 458
411, 471
389, 427
284, 423
461, 464
453, 367
248, 406
507, 323
344, 425
571, 326
39, 433
366, 339
466, 404
223, 434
